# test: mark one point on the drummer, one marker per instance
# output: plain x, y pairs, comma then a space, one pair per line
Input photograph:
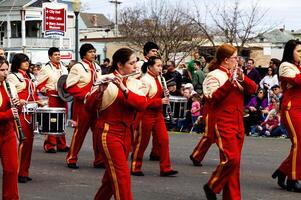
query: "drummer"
22, 79
47, 78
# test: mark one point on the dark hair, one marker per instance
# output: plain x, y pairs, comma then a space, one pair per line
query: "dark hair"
198, 63
121, 56
84, 49
276, 61
253, 61
222, 52
52, 50
17, 60
2, 61
149, 46
152, 60
106, 60
172, 63
273, 71
288, 53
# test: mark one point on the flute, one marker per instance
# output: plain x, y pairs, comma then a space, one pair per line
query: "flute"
20, 133
113, 78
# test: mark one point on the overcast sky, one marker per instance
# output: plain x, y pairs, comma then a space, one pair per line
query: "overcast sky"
280, 12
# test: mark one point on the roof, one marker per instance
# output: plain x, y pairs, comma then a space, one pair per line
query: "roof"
18, 4
93, 20
278, 36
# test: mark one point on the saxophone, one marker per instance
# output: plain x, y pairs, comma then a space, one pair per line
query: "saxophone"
168, 107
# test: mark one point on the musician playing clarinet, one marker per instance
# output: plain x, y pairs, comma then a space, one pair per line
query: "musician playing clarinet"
47, 83
27, 93
79, 83
8, 139
117, 103
153, 120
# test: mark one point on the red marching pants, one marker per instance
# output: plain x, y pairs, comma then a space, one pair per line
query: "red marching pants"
52, 141
291, 118
204, 144
152, 121
84, 120
25, 148
114, 147
226, 175
9, 160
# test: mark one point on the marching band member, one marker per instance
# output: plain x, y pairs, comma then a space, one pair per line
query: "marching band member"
290, 76
79, 83
117, 103
47, 83
150, 49
153, 120
22, 79
8, 140
224, 88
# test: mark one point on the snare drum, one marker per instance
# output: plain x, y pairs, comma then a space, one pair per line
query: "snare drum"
178, 106
50, 121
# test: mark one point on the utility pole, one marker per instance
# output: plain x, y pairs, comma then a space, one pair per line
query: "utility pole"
116, 15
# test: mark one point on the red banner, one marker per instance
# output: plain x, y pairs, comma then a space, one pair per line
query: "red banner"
54, 20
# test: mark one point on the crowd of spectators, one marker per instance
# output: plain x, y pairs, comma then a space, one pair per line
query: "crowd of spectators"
261, 114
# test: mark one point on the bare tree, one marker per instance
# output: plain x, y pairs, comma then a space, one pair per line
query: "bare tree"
230, 23
163, 24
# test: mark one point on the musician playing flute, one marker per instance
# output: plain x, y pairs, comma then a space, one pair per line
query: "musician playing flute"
8, 139
117, 102
47, 83
153, 120
22, 79
79, 83
224, 89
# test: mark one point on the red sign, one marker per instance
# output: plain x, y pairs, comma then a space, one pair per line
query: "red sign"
54, 19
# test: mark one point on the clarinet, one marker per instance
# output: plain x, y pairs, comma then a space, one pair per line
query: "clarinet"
168, 108
20, 133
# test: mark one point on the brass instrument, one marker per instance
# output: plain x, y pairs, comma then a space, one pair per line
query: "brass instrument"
111, 79
168, 108
20, 133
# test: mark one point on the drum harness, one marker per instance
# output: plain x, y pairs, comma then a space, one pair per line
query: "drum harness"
31, 94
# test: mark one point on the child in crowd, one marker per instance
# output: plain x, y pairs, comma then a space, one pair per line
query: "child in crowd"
270, 124
196, 110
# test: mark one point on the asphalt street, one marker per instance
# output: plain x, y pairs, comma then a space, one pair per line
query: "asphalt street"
53, 180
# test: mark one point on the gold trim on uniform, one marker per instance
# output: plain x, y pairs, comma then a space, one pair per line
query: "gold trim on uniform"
111, 165
295, 145
223, 163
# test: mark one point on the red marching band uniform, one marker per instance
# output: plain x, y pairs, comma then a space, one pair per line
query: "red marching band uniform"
152, 121
116, 116
207, 139
226, 109
79, 83
47, 79
26, 91
8, 145
290, 76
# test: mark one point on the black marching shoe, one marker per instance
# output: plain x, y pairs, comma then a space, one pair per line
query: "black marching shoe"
139, 173
154, 158
72, 165
210, 195
66, 149
281, 178
293, 186
168, 173
194, 161
22, 179
50, 151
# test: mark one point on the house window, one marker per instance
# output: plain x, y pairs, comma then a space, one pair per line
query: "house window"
15, 29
